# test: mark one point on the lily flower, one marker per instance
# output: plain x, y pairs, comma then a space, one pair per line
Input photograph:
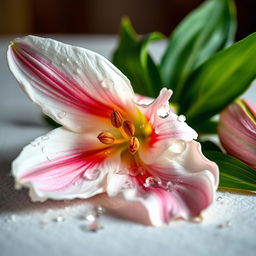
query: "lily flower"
237, 131
108, 142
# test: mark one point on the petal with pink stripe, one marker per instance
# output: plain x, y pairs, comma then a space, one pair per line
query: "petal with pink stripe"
64, 165
70, 84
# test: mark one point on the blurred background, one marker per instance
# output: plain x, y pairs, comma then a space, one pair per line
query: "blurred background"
103, 16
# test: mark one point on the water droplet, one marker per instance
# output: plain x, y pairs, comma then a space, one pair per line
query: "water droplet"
45, 137
99, 210
33, 143
178, 146
59, 219
90, 217
157, 130
67, 59
128, 185
181, 118
152, 182
61, 114
219, 198
93, 226
163, 111
224, 225
107, 83
91, 174
170, 186
78, 71
121, 172
50, 156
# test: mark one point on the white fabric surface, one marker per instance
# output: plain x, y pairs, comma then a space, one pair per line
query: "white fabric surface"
27, 228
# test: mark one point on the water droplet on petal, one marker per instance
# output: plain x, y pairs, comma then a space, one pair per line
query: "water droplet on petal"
93, 226
163, 111
67, 59
107, 83
121, 172
181, 118
170, 186
61, 114
78, 71
99, 210
152, 182
50, 156
91, 174
178, 146
45, 137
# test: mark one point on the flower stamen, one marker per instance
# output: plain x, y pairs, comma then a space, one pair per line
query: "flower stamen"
106, 138
129, 128
116, 119
133, 145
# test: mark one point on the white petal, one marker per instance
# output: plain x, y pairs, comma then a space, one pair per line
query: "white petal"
72, 85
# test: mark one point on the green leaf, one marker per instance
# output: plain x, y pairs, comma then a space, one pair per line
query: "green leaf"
234, 174
50, 121
133, 59
206, 127
220, 80
208, 29
209, 146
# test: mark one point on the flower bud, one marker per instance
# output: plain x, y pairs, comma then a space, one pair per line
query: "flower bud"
106, 138
237, 131
116, 119
133, 145
129, 128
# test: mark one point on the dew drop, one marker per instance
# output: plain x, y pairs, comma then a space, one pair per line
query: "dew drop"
152, 182
50, 156
90, 217
45, 137
219, 198
99, 210
181, 118
107, 83
78, 71
61, 114
91, 174
93, 226
59, 219
170, 186
121, 172
163, 111
178, 146
67, 59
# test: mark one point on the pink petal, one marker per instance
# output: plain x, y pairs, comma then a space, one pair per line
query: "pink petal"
187, 188
70, 84
63, 165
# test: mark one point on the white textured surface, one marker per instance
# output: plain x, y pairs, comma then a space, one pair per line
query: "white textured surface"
29, 228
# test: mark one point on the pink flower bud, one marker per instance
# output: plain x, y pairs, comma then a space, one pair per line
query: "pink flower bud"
237, 131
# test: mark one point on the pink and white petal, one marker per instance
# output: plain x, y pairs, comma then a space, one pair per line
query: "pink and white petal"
70, 84
168, 128
63, 165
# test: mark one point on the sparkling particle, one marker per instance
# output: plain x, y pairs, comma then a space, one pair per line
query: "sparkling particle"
181, 118
90, 217
178, 146
78, 71
61, 114
99, 210
67, 59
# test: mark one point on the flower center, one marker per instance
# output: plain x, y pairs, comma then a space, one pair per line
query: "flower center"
125, 132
